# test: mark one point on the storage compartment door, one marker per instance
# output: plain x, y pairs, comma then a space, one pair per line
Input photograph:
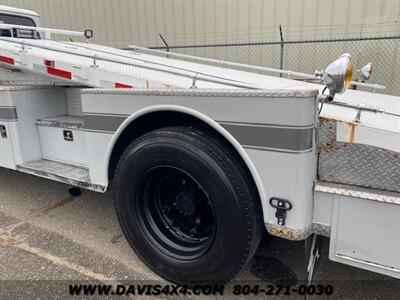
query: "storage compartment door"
366, 233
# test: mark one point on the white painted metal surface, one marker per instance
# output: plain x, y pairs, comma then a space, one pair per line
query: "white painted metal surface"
101, 66
373, 120
46, 31
22, 13
31, 103
236, 114
271, 168
17, 11
55, 147
365, 234
362, 224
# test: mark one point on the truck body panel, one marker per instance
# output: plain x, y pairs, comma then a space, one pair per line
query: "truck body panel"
363, 226
238, 116
337, 164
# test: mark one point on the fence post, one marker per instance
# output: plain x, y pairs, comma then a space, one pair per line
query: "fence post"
282, 46
165, 43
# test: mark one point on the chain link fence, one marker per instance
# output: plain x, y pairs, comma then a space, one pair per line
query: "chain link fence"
310, 55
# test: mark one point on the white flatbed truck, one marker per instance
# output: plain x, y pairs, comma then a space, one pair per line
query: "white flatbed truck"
205, 160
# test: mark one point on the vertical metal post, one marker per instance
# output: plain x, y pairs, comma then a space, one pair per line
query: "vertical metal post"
165, 43
282, 48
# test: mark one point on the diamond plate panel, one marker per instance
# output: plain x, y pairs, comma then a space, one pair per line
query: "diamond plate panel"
70, 122
358, 192
356, 164
74, 101
61, 172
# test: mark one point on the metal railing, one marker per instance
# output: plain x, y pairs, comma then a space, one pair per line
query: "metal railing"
307, 56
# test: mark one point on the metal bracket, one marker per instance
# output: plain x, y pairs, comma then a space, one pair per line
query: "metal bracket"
194, 81
94, 64
358, 117
282, 206
314, 255
23, 49
312, 248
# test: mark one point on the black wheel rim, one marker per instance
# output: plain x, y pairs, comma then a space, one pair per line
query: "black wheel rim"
176, 213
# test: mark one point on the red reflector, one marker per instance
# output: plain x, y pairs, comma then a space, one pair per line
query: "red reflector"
122, 86
7, 60
49, 63
59, 73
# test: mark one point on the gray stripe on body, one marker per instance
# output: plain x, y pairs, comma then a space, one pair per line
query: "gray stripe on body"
269, 137
103, 123
285, 138
8, 113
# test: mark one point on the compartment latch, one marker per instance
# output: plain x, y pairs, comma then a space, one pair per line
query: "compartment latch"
282, 206
3, 131
68, 135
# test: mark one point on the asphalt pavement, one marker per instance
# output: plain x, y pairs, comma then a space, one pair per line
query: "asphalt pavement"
50, 240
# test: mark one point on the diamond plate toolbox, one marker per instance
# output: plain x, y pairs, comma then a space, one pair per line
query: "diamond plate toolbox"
355, 164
